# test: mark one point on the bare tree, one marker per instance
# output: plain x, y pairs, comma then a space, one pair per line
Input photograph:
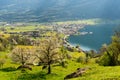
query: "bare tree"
22, 55
47, 52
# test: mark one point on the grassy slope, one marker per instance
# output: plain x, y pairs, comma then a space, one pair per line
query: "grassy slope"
96, 73
58, 73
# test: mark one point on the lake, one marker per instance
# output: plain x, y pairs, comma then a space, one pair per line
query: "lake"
93, 37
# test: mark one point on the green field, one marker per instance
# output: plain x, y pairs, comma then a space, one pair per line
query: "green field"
96, 73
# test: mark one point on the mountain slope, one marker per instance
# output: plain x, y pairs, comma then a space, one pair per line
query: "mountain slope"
57, 10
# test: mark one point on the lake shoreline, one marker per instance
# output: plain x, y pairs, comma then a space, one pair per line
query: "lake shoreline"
67, 44
95, 36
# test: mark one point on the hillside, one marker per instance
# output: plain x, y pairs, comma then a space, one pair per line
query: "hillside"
9, 72
57, 10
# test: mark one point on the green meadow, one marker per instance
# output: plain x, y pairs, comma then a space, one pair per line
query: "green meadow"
9, 72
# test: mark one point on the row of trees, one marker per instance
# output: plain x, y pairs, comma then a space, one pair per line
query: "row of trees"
4, 43
9, 41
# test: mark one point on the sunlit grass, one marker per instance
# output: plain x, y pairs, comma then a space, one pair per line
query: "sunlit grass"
97, 72
85, 21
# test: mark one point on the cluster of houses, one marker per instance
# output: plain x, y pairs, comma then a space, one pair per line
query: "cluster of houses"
68, 29
65, 28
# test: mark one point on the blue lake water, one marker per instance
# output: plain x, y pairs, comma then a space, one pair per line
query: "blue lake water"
96, 37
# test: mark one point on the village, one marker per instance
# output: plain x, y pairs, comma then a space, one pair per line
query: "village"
66, 29
40, 32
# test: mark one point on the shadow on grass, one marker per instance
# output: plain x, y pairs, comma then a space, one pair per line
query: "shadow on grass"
36, 76
8, 69
112, 78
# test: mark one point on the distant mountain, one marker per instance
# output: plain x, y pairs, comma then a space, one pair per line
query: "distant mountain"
57, 10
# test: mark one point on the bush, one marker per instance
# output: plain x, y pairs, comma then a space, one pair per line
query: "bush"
104, 60
1, 47
111, 54
81, 59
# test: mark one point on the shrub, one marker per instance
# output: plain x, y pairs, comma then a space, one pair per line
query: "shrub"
104, 60
81, 59
1, 47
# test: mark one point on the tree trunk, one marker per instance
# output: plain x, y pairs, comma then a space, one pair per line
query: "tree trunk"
49, 69
23, 63
63, 64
